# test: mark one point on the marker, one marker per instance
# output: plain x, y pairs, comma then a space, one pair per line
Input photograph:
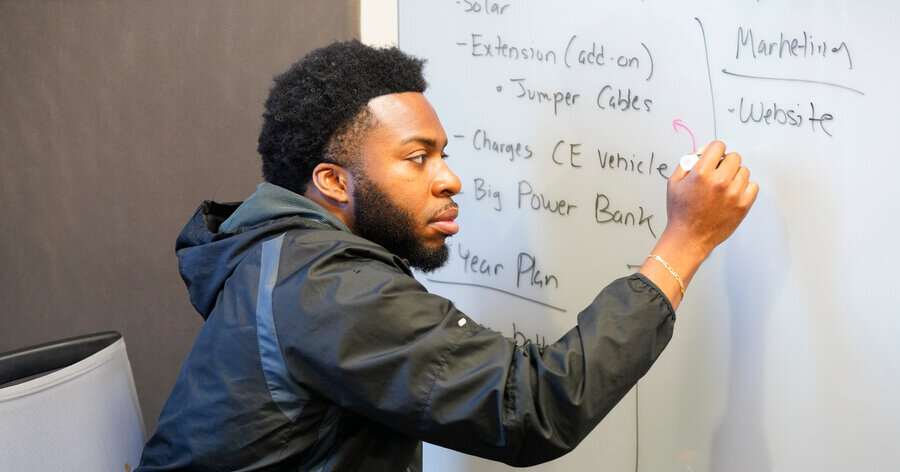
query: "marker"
688, 161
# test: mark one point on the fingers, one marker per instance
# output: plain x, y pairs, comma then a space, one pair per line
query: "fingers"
730, 164
742, 189
723, 171
716, 164
741, 176
750, 194
738, 185
710, 158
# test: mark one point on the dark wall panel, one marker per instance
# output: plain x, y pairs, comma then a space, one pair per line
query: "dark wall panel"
116, 119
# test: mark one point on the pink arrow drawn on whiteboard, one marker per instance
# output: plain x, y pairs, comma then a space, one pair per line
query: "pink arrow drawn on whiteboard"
676, 124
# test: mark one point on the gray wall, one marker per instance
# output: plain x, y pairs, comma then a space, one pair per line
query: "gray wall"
118, 118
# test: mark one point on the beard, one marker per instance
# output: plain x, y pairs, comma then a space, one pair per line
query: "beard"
379, 220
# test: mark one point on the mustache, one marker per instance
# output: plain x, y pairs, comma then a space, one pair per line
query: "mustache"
450, 205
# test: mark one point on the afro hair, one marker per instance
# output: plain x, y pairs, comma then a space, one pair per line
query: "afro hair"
318, 100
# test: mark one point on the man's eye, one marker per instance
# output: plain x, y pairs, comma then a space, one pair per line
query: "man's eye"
445, 156
418, 159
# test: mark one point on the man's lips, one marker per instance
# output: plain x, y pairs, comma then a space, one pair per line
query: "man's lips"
444, 223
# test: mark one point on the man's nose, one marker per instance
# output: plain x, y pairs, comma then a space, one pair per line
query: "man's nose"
446, 183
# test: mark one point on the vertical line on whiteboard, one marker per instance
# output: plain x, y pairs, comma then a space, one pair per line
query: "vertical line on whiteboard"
637, 428
709, 77
398, 24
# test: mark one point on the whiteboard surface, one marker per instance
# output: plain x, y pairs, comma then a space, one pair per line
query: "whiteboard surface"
784, 356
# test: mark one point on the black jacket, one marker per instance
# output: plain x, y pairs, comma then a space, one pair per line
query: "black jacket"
321, 352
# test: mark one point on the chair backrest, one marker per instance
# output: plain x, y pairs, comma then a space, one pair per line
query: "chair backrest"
70, 405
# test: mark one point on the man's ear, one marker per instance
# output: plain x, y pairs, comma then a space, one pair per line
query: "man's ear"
333, 182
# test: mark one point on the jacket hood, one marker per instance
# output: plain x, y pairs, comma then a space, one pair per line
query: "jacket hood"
219, 235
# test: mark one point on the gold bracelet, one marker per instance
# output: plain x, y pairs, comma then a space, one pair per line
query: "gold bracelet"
671, 271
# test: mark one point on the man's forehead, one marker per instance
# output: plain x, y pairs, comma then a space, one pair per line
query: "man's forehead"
408, 115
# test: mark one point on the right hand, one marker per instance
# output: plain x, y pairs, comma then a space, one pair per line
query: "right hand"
706, 204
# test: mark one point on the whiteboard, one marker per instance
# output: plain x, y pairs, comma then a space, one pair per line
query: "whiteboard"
784, 355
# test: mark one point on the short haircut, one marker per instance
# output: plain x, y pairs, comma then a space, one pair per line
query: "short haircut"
317, 109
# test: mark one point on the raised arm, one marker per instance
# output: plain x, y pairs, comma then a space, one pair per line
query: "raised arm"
704, 206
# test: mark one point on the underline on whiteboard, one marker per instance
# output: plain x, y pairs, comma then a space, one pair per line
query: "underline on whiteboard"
788, 79
469, 284
709, 77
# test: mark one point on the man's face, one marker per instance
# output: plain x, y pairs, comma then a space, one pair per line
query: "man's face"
402, 187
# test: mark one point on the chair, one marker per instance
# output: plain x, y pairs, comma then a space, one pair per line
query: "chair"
70, 405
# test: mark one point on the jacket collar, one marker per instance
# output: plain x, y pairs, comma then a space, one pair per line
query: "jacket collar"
270, 201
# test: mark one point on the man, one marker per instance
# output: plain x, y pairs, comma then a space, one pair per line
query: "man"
321, 352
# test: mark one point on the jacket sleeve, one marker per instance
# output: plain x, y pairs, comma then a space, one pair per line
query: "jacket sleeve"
358, 330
